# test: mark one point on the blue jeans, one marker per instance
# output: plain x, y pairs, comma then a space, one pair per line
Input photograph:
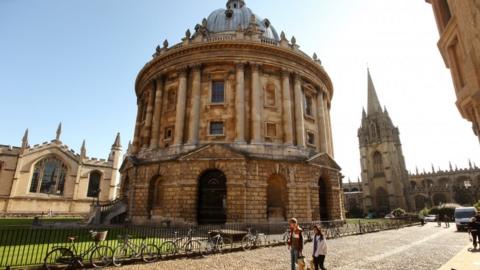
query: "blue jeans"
294, 256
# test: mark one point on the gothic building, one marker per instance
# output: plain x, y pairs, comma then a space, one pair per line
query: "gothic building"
52, 178
233, 125
383, 173
385, 182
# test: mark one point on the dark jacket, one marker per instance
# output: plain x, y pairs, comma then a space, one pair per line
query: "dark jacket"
296, 243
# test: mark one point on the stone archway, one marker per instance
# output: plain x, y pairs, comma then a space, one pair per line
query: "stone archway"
439, 198
382, 199
323, 197
276, 198
212, 198
420, 202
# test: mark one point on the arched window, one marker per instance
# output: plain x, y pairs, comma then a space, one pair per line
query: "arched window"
49, 177
377, 163
373, 131
94, 184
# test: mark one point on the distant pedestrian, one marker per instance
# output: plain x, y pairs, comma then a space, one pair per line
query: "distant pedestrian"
295, 243
439, 221
319, 249
446, 219
473, 231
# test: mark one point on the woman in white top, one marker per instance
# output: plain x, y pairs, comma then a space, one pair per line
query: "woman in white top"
319, 248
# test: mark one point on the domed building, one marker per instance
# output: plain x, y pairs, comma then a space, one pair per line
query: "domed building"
233, 126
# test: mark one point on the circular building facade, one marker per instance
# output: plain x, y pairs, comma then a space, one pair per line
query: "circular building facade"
233, 126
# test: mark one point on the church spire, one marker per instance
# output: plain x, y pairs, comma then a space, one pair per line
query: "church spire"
373, 103
25, 139
59, 132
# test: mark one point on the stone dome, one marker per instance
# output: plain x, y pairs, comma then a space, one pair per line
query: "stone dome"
238, 15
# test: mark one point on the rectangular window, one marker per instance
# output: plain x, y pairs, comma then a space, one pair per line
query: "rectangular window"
168, 133
457, 65
218, 92
310, 138
270, 96
271, 130
171, 100
217, 128
308, 105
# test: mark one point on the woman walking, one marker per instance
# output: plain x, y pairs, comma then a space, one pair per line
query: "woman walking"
319, 249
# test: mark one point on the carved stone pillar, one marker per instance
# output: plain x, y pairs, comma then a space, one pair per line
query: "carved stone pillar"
322, 127
299, 119
154, 141
287, 108
195, 116
148, 120
256, 105
136, 136
180, 110
329, 128
240, 103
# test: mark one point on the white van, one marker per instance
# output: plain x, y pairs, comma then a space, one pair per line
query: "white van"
463, 215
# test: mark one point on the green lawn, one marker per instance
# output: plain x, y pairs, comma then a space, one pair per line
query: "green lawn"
29, 221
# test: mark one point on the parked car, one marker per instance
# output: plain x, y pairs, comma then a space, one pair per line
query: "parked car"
430, 218
463, 216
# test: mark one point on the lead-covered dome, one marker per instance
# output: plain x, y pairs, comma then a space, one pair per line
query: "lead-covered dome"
238, 15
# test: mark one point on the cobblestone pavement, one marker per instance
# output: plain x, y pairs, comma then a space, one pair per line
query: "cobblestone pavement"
418, 248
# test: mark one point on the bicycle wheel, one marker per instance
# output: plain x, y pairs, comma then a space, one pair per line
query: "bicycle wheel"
261, 240
101, 256
59, 258
247, 243
150, 253
120, 255
168, 248
193, 247
225, 245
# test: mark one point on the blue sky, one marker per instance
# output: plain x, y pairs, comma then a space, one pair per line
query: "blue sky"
76, 61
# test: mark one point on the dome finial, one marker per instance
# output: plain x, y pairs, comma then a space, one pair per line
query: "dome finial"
233, 4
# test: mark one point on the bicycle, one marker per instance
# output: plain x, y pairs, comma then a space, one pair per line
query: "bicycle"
216, 243
129, 250
253, 239
187, 244
63, 257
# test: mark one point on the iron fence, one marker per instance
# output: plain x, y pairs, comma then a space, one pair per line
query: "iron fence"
22, 246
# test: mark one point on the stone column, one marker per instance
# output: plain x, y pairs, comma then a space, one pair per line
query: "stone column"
148, 120
322, 127
195, 113
154, 141
299, 119
287, 108
180, 111
256, 105
329, 128
240, 103
136, 136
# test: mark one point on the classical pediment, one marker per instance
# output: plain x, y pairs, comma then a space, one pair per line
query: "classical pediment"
324, 160
213, 152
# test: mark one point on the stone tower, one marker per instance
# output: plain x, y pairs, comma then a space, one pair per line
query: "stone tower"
384, 176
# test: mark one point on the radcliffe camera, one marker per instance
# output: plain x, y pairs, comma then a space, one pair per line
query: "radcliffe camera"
239, 134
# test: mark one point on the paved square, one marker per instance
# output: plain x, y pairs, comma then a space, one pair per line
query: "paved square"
419, 248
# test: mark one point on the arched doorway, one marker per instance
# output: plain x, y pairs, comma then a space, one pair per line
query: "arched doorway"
276, 198
212, 198
323, 195
420, 202
439, 198
152, 188
383, 204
